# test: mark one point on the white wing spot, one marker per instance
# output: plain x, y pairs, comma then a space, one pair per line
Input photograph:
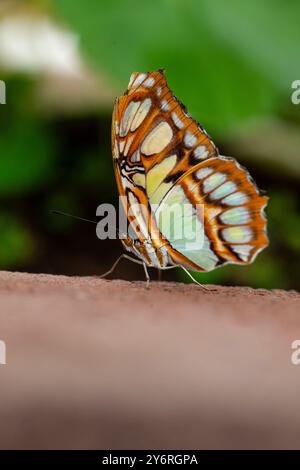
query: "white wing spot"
200, 152
189, 139
135, 157
149, 82
139, 79
225, 189
213, 181
116, 154
177, 121
132, 77
203, 173
237, 234
243, 251
236, 199
141, 114
121, 145
158, 90
128, 145
165, 106
236, 216
128, 116
157, 139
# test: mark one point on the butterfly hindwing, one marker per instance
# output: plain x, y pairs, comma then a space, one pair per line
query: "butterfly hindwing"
231, 212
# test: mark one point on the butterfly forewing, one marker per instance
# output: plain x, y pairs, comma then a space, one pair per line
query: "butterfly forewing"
150, 124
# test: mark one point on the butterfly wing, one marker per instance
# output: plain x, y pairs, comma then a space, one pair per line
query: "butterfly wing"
150, 125
225, 207
159, 151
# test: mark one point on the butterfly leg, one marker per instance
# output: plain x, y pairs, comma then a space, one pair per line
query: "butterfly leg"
111, 270
193, 279
147, 276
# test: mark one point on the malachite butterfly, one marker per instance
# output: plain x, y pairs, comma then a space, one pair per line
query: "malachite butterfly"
163, 157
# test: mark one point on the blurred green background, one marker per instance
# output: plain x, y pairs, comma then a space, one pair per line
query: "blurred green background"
231, 62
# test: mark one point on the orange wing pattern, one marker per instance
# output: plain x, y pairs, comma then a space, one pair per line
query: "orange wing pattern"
161, 154
234, 220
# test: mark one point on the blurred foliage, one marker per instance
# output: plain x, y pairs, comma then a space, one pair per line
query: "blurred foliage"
14, 237
220, 82
231, 62
27, 160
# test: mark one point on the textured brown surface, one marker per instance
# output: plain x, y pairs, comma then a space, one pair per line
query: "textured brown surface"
107, 364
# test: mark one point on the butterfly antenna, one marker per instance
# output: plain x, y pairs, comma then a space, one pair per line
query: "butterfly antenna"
72, 216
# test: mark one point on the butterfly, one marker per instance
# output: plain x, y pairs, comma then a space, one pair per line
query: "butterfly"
161, 157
